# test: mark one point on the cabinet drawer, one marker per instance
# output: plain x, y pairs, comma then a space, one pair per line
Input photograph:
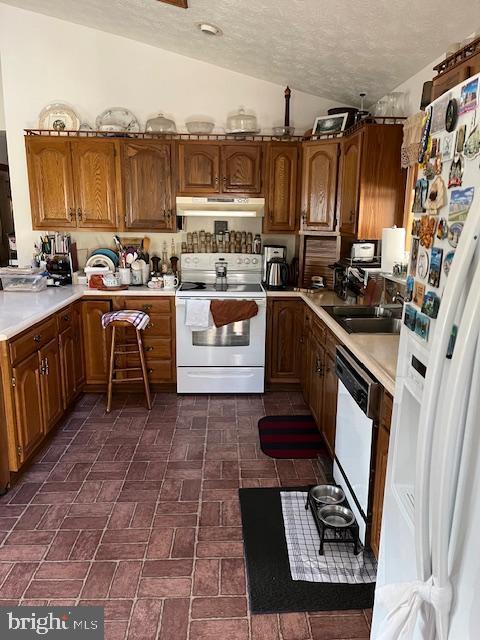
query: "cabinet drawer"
33, 340
331, 343
64, 319
158, 348
159, 326
161, 370
149, 305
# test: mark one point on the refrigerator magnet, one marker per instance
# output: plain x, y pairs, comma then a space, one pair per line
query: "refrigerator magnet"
442, 229
409, 289
451, 115
410, 317
418, 294
428, 225
436, 196
431, 304
454, 233
460, 138
455, 175
427, 121
460, 202
414, 256
420, 199
468, 97
422, 264
472, 145
422, 325
447, 262
416, 227
435, 267
448, 144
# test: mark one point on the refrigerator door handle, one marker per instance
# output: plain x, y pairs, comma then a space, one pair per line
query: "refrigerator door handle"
452, 429
427, 422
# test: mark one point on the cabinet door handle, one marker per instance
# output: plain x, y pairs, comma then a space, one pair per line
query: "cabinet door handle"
150, 325
146, 307
79, 213
319, 366
304, 217
37, 338
216, 181
43, 369
66, 318
72, 214
148, 348
46, 366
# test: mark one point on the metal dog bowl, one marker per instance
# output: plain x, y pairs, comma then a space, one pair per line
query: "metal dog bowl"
336, 516
327, 494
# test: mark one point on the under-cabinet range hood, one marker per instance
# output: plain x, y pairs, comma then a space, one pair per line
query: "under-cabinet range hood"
216, 206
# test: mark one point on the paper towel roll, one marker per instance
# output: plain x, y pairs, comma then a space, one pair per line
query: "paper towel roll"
393, 247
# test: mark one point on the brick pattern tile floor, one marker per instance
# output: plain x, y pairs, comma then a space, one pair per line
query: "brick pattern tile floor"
139, 512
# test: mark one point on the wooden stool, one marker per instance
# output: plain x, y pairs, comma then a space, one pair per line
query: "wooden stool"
138, 320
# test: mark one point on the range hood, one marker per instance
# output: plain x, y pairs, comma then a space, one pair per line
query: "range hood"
218, 206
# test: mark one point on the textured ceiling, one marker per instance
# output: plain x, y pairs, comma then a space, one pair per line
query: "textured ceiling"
330, 49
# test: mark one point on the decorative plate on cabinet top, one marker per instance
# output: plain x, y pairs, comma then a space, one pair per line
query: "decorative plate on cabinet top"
58, 116
117, 119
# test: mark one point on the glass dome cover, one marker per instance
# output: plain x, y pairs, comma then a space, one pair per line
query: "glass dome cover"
160, 124
242, 122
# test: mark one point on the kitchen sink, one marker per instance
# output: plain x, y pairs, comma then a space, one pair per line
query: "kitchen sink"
372, 325
367, 319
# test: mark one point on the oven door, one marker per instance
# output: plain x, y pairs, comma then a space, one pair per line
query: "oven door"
239, 344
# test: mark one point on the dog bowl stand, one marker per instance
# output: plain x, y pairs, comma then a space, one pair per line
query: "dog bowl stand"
341, 535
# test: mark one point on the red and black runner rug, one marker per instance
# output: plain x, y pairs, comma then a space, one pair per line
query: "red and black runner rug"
290, 437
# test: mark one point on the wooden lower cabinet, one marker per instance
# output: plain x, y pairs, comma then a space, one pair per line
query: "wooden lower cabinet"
51, 384
96, 341
284, 340
381, 458
28, 429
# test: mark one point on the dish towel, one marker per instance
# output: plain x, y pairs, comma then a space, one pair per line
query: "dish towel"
228, 311
197, 314
404, 602
138, 319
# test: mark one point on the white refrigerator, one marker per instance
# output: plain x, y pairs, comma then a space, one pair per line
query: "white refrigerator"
428, 583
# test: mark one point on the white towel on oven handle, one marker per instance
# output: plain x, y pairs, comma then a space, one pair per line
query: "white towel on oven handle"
197, 314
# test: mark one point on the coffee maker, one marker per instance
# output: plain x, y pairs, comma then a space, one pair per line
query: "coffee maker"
271, 251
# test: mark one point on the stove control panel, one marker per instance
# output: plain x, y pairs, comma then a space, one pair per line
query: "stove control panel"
206, 261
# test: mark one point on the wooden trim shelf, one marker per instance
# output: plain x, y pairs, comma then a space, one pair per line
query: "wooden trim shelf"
460, 56
144, 135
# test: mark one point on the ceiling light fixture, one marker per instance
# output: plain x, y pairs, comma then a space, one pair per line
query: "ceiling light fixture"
209, 29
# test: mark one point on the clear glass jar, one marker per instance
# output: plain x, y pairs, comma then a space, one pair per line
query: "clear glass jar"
242, 122
160, 124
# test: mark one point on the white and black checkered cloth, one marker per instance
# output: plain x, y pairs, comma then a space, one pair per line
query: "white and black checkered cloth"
338, 564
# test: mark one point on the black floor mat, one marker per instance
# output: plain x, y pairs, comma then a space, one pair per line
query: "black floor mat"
270, 586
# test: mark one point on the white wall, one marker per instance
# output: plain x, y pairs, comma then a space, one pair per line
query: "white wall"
412, 88
45, 59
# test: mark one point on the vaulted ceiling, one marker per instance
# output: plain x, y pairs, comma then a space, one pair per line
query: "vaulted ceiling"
331, 49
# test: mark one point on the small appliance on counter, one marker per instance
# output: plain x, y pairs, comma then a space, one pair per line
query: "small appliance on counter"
271, 251
277, 274
362, 251
59, 270
221, 283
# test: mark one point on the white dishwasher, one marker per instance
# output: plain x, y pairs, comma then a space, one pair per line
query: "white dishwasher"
357, 409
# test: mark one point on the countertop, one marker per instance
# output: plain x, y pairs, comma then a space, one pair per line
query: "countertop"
378, 352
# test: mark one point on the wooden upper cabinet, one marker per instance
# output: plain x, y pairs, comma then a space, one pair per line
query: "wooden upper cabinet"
319, 185
281, 188
242, 168
50, 182
148, 186
349, 183
198, 168
95, 178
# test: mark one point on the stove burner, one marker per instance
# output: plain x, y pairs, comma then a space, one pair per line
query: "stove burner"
193, 286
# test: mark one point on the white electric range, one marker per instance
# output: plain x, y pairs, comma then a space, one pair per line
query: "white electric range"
229, 359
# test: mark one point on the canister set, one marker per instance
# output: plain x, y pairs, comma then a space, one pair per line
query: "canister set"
222, 242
